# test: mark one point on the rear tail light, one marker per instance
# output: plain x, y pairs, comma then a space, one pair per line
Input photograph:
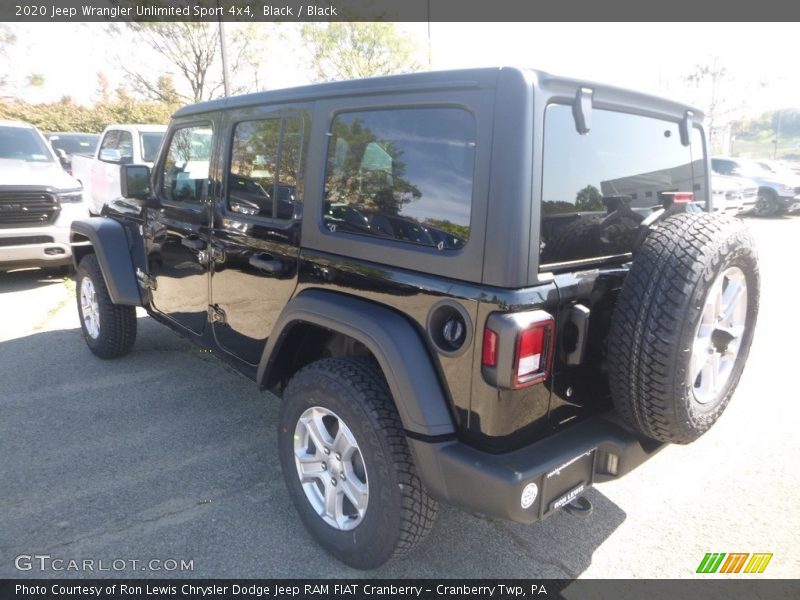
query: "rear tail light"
489, 348
518, 348
533, 357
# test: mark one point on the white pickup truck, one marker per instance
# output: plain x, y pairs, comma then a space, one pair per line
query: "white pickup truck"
119, 145
38, 201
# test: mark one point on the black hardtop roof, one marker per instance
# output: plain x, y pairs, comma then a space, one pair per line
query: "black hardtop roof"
417, 82
466, 78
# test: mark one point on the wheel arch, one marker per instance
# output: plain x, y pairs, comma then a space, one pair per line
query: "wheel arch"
106, 239
388, 336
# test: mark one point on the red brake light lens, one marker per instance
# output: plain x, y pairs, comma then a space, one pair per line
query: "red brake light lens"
534, 353
489, 348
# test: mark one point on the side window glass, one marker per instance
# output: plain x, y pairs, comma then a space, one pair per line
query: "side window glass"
266, 168
110, 140
403, 174
186, 167
125, 147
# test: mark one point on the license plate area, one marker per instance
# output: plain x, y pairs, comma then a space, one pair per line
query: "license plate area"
562, 484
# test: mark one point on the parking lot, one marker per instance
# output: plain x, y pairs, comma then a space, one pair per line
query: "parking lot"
167, 454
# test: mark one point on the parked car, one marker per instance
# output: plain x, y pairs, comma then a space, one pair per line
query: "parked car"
505, 372
38, 200
778, 192
735, 195
119, 145
67, 144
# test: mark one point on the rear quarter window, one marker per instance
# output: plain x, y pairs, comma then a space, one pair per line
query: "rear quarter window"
404, 175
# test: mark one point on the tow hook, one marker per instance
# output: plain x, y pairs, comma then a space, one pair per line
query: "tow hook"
580, 507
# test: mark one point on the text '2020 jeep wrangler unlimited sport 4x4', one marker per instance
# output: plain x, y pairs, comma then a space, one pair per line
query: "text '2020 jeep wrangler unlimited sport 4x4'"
475, 287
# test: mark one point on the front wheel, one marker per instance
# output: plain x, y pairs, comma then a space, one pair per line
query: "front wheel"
109, 329
347, 465
767, 204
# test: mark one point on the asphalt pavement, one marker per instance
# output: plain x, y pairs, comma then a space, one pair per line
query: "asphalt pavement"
168, 455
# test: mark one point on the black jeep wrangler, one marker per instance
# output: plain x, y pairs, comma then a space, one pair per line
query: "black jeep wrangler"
479, 287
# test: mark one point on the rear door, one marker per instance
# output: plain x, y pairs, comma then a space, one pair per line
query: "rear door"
256, 231
177, 233
597, 188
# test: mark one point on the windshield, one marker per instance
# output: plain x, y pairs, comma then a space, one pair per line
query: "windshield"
75, 143
150, 143
23, 143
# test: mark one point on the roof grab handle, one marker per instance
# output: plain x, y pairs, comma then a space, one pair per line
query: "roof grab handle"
686, 128
582, 110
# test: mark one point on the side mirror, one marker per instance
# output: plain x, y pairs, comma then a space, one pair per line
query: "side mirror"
110, 155
63, 158
134, 181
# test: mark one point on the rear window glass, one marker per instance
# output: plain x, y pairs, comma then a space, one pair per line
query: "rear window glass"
150, 143
403, 174
598, 187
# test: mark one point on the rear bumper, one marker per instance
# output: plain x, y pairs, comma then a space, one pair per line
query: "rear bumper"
493, 484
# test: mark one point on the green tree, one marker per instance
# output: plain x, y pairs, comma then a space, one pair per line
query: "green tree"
589, 198
7, 40
354, 50
35, 80
193, 51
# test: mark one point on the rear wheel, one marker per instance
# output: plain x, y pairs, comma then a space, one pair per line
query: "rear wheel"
683, 325
109, 329
347, 465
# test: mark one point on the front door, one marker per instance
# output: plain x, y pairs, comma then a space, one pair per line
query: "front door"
178, 232
256, 233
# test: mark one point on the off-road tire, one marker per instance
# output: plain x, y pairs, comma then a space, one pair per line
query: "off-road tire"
117, 322
399, 513
655, 322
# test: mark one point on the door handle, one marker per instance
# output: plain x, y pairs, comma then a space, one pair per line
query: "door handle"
269, 266
193, 243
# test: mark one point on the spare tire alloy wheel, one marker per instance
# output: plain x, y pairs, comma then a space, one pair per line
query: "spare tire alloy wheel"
683, 325
719, 335
331, 468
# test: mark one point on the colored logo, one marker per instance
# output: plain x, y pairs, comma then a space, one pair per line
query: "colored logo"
742, 562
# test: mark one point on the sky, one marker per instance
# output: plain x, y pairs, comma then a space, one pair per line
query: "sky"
651, 57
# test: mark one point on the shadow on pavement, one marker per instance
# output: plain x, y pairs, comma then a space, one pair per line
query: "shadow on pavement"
168, 454
28, 279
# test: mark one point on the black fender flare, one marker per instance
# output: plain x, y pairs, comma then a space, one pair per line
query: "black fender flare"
406, 363
110, 245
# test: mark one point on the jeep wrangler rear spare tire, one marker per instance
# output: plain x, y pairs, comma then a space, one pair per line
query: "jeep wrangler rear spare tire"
683, 325
109, 329
347, 465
